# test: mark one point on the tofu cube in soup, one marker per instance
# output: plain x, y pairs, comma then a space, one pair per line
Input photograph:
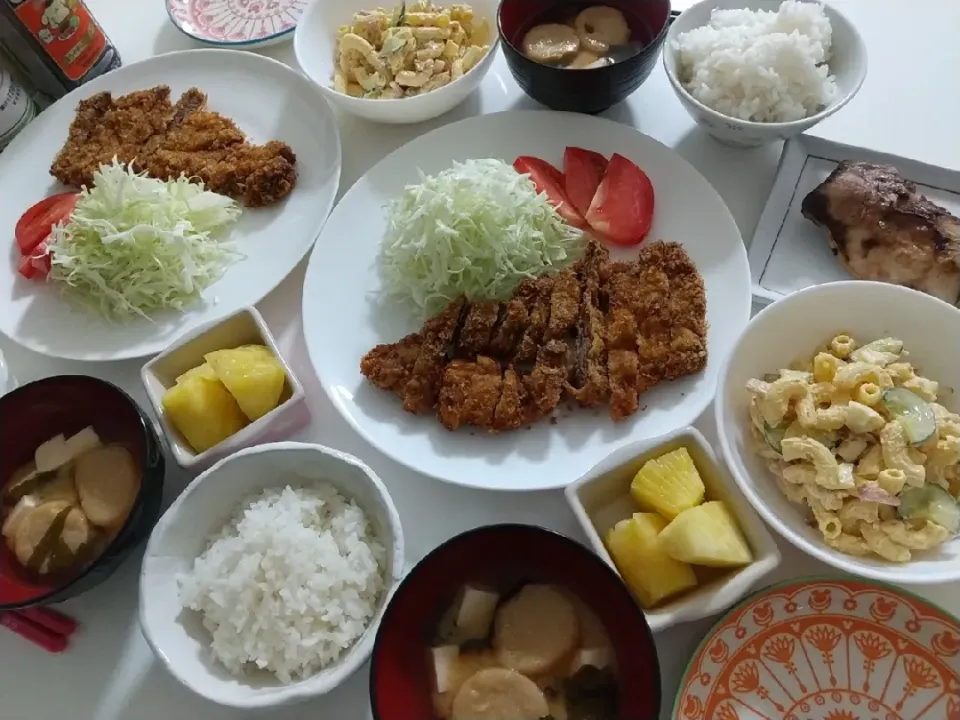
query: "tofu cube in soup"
475, 615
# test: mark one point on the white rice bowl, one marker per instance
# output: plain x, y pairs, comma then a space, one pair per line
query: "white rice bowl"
290, 583
760, 66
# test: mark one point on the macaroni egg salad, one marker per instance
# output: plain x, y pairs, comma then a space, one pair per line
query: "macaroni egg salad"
859, 437
409, 51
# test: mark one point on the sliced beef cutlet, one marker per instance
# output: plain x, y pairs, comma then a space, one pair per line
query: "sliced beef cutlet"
165, 140
106, 127
597, 332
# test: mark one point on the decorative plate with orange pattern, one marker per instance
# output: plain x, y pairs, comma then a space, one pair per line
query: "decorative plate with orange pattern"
826, 649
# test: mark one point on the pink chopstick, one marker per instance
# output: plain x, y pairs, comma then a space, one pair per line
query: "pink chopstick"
53, 620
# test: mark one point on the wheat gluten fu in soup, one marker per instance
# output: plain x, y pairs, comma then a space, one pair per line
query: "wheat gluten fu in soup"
760, 66
290, 583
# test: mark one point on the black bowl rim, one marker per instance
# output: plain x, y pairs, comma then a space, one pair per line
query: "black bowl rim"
510, 527
154, 472
651, 47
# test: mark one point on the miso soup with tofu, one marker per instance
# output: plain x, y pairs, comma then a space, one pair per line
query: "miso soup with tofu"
522, 652
61, 510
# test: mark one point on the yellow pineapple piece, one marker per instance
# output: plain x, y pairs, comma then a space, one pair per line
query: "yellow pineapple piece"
202, 410
651, 574
200, 371
253, 375
668, 485
706, 535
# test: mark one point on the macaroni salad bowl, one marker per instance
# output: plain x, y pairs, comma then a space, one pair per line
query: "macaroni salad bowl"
791, 331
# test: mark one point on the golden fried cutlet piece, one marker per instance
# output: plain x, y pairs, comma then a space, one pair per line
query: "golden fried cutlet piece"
166, 140
389, 366
538, 315
509, 412
564, 305
598, 332
210, 147
421, 390
544, 386
106, 127
474, 337
470, 393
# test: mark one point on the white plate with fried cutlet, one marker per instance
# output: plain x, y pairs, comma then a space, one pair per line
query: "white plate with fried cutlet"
249, 126
511, 433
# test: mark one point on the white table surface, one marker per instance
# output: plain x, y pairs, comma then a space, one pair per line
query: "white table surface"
109, 672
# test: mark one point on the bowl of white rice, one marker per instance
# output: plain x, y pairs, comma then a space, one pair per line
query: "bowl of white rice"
265, 581
755, 71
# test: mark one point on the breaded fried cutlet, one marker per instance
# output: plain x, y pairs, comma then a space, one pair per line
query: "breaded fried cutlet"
105, 128
597, 332
166, 140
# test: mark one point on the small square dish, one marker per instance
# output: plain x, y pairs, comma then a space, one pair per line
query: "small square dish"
602, 499
790, 252
224, 387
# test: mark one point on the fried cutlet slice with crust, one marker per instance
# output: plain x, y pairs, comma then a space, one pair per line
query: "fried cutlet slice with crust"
685, 313
210, 147
105, 128
589, 383
510, 328
509, 412
474, 336
470, 393
389, 366
538, 315
544, 385
421, 390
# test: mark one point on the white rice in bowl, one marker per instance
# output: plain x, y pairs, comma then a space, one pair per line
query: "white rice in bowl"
760, 66
290, 583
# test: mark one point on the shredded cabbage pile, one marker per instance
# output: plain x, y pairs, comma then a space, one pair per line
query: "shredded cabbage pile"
135, 245
477, 230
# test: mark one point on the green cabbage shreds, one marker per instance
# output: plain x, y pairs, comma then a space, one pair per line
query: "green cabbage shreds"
135, 245
477, 230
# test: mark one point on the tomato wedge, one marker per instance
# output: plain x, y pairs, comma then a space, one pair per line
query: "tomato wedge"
622, 209
582, 172
34, 225
549, 181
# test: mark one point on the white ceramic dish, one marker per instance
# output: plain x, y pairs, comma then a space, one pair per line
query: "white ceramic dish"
601, 499
342, 318
790, 329
789, 252
314, 44
244, 327
848, 64
272, 239
178, 638
246, 25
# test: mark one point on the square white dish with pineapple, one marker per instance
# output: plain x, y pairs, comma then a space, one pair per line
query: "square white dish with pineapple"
224, 387
667, 516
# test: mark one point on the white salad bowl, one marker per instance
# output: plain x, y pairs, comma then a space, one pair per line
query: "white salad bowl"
315, 41
601, 498
848, 64
789, 330
177, 636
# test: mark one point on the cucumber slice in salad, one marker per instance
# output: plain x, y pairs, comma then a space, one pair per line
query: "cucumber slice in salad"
913, 412
932, 503
774, 436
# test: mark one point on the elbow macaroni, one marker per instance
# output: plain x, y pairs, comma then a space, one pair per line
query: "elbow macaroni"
392, 55
832, 444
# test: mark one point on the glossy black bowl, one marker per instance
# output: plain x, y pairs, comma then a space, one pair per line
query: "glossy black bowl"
587, 91
32, 414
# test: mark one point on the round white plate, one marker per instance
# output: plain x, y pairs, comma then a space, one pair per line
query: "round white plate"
268, 101
237, 23
342, 319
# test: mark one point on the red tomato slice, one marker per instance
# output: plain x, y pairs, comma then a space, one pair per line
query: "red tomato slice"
549, 181
34, 225
582, 172
622, 209
26, 267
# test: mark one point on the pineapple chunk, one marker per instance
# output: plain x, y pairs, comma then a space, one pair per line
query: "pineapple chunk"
650, 573
253, 375
202, 410
668, 485
706, 535
200, 371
